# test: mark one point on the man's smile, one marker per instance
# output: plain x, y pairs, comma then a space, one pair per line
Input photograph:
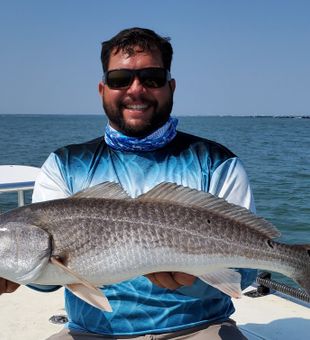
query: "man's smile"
137, 107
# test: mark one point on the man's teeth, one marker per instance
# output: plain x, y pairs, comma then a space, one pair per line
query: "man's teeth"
137, 106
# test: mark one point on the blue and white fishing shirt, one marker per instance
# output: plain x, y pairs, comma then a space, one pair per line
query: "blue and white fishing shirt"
139, 307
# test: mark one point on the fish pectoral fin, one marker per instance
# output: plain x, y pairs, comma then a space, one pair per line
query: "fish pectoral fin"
90, 294
84, 289
227, 281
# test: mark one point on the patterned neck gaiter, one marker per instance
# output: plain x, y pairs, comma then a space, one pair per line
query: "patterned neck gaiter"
155, 140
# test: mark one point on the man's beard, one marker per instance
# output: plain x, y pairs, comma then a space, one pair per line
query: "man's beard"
159, 117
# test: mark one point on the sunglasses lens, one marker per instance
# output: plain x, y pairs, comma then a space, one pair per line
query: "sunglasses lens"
153, 77
117, 79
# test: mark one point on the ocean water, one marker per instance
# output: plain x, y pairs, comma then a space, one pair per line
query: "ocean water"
275, 153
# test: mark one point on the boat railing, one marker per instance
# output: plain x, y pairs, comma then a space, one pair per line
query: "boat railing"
20, 188
19, 179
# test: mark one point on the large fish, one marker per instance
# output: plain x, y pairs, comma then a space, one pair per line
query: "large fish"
102, 236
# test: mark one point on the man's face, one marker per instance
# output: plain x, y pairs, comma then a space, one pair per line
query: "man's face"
137, 110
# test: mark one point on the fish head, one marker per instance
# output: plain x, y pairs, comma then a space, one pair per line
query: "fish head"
24, 251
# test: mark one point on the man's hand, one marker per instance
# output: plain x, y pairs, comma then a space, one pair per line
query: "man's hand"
171, 280
7, 286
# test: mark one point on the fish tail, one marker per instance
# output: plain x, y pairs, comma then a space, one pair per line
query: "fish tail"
304, 282
303, 279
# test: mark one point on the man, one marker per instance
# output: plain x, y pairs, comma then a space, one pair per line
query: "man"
142, 148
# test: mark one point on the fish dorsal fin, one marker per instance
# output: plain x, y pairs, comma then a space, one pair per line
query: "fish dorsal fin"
103, 190
174, 193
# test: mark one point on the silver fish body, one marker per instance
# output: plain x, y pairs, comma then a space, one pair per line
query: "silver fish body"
172, 228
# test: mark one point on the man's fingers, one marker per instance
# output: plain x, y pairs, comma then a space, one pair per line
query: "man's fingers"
2, 286
171, 280
154, 280
164, 280
183, 279
7, 286
11, 286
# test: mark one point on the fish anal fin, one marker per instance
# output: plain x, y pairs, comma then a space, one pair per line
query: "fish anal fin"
106, 190
227, 281
84, 289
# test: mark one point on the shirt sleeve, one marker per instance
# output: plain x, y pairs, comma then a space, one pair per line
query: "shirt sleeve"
230, 181
51, 181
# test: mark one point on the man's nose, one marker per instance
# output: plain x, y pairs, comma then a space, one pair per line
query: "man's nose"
136, 86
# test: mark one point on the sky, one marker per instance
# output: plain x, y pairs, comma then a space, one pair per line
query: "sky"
231, 57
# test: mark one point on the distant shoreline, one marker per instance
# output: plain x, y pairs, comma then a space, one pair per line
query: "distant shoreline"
305, 116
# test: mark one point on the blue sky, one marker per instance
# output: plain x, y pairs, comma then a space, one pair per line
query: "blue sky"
230, 56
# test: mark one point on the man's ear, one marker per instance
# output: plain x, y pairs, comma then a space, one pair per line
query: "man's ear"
101, 88
172, 85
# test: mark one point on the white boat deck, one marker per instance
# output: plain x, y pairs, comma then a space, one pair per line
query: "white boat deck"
273, 317
25, 315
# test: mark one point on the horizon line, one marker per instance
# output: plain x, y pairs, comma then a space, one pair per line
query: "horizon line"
287, 115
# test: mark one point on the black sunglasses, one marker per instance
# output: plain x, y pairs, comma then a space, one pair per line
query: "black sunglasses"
151, 77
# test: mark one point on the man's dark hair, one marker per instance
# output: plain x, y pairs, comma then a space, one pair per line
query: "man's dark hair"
130, 38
